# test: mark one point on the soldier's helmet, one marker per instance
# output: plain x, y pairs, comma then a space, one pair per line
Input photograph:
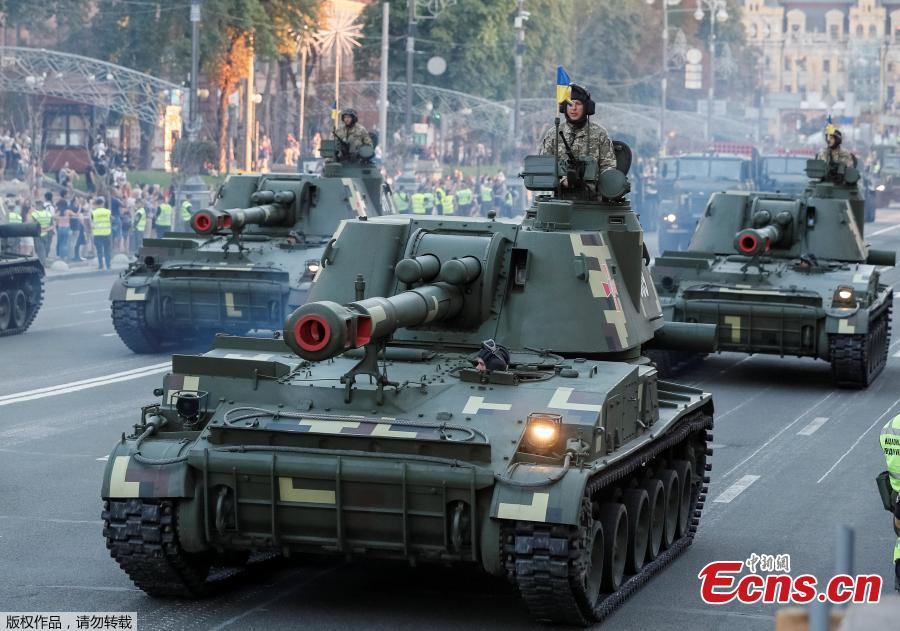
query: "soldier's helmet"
349, 111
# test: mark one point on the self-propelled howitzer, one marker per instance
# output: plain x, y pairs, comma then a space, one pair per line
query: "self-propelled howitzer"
248, 263
786, 275
21, 280
571, 468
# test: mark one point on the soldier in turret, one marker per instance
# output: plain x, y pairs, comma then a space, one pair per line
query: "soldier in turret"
833, 154
351, 134
578, 136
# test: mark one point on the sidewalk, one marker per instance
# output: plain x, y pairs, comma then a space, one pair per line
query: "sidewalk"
57, 269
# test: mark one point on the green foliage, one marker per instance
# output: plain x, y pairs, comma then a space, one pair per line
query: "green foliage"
612, 47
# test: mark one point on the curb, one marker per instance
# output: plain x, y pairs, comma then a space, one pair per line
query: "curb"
81, 274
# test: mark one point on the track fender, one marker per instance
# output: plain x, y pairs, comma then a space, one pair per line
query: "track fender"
557, 503
125, 477
130, 288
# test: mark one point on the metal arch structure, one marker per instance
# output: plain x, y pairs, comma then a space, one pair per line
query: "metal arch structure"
84, 80
494, 118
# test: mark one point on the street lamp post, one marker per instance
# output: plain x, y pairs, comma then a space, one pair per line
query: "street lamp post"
664, 81
193, 126
717, 13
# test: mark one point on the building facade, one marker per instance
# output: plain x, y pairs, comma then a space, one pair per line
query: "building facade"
840, 56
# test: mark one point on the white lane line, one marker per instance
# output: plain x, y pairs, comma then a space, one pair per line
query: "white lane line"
814, 424
104, 310
71, 324
84, 384
89, 291
107, 334
103, 459
897, 354
736, 489
782, 431
896, 295
883, 230
857, 441
51, 520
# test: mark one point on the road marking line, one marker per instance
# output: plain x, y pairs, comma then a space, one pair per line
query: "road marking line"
815, 424
104, 310
84, 384
857, 441
77, 304
51, 520
896, 295
103, 459
883, 230
89, 291
736, 489
782, 431
71, 324
107, 335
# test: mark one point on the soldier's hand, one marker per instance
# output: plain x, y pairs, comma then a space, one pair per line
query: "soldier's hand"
564, 182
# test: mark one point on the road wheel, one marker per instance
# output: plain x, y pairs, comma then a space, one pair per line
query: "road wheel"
6, 310
614, 518
19, 309
685, 479
637, 503
656, 496
669, 480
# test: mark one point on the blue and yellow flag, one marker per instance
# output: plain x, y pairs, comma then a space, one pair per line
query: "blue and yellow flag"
563, 86
334, 112
829, 126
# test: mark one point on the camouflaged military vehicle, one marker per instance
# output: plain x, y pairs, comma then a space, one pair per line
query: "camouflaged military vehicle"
21, 280
249, 261
685, 183
366, 432
786, 275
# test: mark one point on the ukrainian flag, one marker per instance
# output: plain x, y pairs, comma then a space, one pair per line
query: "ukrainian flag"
829, 126
563, 86
334, 112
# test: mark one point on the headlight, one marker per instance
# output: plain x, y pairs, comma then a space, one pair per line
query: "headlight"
542, 431
312, 266
671, 217
880, 188
844, 297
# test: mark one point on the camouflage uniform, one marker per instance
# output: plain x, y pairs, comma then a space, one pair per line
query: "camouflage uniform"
355, 136
591, 141
838, 156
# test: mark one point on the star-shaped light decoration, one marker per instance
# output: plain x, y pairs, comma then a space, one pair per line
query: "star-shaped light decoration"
341, 35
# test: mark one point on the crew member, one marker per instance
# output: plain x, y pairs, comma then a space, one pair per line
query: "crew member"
578, 136
351, 133
833, 154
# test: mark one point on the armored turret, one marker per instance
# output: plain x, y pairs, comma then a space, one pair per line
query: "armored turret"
787, 275
248, 262
570, 453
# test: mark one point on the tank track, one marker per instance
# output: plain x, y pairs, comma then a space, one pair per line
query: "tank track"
130, 323
541, 561
20, 275
141, 537
857, 359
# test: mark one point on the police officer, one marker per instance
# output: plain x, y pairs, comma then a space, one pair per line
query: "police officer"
186, 211
138, 225
101, 223
486, 196
401, 201
465, 199
578, 135
890, 444
164, 218
351, 133
44, 216
429, 202
448, 203
417, 200
833, 154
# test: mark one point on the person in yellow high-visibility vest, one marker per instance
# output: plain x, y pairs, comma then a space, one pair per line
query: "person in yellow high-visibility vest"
186, 212
101, 224
401, 201
890, 445
138, 225
163, 218
465, 199
448, 204
417, 200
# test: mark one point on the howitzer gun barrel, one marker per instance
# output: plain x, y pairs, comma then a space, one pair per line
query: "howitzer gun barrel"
18, 230
685, 336
325, 329
273, 210
752, 241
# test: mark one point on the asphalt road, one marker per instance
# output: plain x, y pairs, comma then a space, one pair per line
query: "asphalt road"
793, 459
